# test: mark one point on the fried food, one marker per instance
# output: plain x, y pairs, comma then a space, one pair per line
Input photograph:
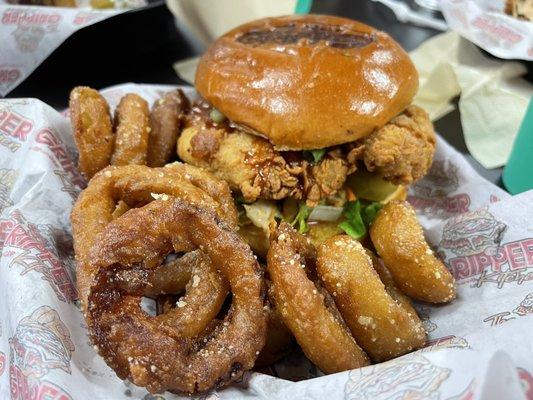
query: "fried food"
136, 136
278, 343
172, 276
153, 351
380, 325
390, 286
137, 185
319, 331
92, 129
205, 290
401, 151
251, 164
165, 122
132, 127
399, 241
521, 9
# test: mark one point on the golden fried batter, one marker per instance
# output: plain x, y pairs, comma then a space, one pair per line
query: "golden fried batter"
278, 343
382, 327
399, 241
305, 310
390, 286
155, 351
137, 185
93, 132
165, 122
205, 290
402, 150
251, 164
132, 128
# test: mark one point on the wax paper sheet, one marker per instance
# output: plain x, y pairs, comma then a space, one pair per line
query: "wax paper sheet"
493, 96
479, 346
484, 23
29, 34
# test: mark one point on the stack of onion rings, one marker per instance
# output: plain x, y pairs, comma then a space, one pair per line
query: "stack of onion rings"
319, 331
125, 223
137, 185
344, 296
137, 135
155, 351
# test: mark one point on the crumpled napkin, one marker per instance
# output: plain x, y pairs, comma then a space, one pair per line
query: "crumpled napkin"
493, 96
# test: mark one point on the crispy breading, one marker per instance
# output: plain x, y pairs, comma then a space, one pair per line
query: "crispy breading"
402, 150
250, 163
92, 129
132, 121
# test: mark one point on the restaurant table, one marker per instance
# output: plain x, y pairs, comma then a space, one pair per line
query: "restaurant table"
141, 45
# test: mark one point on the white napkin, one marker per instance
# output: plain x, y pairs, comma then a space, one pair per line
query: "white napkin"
493, 97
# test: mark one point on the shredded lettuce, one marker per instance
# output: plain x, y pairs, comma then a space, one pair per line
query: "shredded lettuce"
359, 217
300, 221
370, 211
314, 156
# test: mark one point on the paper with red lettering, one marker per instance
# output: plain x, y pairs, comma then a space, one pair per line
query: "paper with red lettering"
479, 346
29, 34
484, 23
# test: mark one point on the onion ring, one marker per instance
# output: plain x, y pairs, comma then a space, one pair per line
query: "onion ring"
279, 341
135, 184
151, 351
205, 290
93, 131
322, 336
173, 276
382, 327
132, 128
165, 122
399, 241
390, 286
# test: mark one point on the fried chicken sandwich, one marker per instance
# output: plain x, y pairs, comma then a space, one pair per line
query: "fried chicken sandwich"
309, 119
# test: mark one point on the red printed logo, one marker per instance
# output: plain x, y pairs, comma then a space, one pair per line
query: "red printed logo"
16, 16
472, 233
49, 254
474, 239
446, 342
32, 25
432, 195
526, 306
14, 125
85, 17
494, 29
8, 76
69, 175
41, 343
2, 363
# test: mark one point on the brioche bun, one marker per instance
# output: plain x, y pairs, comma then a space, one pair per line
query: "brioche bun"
307, 82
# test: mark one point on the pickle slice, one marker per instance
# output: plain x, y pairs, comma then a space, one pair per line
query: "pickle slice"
370, 186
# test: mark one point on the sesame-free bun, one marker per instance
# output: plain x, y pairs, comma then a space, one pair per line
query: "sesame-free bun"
307, 82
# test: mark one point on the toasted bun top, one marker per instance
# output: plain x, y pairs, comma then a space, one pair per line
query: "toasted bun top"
307, 82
